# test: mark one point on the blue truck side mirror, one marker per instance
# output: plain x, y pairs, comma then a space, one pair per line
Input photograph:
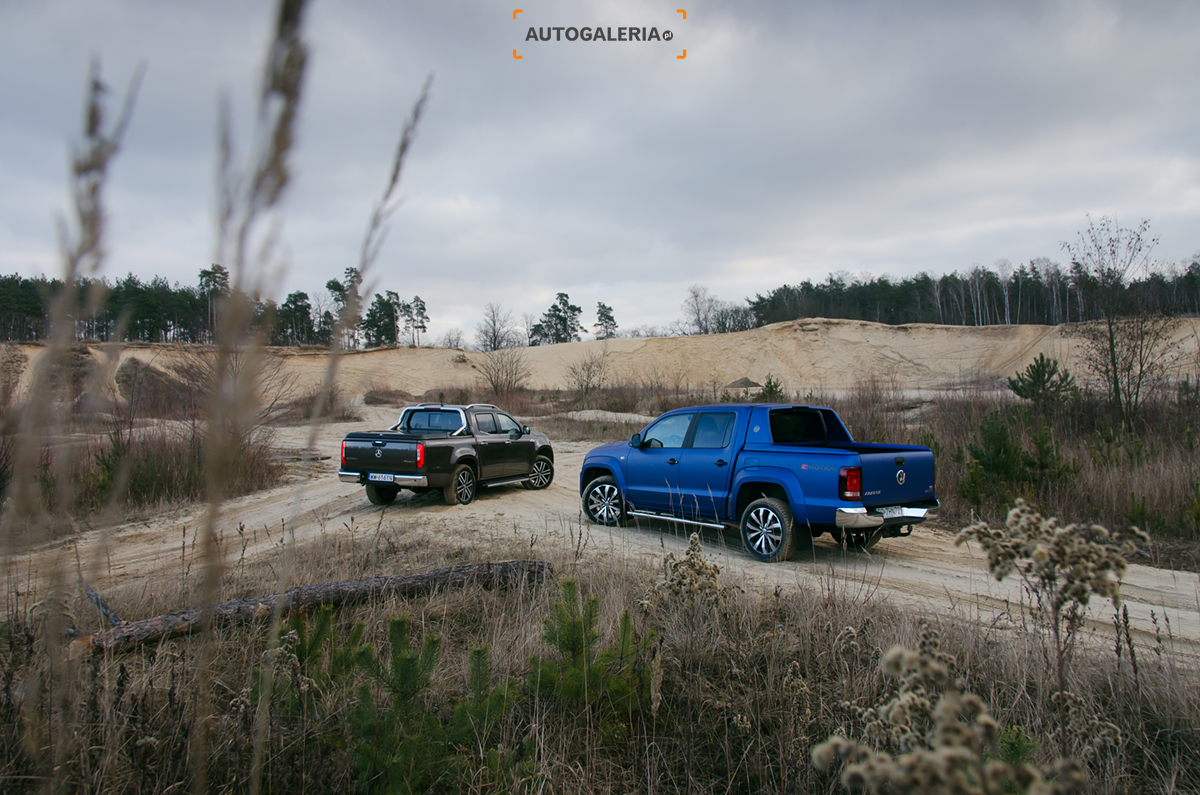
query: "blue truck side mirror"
635, 440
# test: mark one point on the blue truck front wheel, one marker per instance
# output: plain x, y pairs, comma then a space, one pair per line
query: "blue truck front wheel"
767, 530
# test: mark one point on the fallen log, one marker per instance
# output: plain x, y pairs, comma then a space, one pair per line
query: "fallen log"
107, 612
487, 575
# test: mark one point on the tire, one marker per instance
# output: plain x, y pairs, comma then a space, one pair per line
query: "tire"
462, 486
381, 495
542, 475
867, 539
858, 541
603, 503
767, 531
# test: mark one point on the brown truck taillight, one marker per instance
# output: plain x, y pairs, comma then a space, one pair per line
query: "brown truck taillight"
850, 483
420, 455
343, 454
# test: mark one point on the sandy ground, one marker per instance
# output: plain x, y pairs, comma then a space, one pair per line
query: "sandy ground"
925, 571
805, 355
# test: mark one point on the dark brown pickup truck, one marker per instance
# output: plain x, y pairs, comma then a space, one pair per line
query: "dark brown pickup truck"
452, 448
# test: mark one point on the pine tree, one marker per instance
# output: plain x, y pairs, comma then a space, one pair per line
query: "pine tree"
419, 319
379, 324
606, 324
559, 323
295, 324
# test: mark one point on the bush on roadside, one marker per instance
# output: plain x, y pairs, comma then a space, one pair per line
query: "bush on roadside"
146, 467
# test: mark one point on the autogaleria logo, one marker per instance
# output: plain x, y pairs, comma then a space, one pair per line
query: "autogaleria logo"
625, 33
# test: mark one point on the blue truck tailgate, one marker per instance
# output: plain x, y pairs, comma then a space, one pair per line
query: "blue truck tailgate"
894, 474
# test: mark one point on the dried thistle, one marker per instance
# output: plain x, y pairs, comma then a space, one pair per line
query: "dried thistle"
1062, 566
933, 738
1065, 563
692, 577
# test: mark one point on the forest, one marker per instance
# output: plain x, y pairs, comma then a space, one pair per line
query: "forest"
1038, 292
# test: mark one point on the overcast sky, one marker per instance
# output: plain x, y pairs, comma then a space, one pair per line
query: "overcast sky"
795, 140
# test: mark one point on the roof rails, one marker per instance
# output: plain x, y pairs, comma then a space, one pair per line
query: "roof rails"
483, 406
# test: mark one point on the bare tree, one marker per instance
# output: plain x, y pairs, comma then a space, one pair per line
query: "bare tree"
587, 375
505, 371
1129, 346
497, 329
698, 310
704, 313
452, 339
1004, 270
528, 321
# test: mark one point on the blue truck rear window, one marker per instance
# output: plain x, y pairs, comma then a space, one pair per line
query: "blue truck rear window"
798, 426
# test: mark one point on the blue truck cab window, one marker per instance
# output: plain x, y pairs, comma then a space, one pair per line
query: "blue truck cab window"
714, 430
668, 432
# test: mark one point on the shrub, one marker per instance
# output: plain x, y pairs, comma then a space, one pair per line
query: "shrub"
772, 391
505, 371
151, 392
1042, 383
587, 376
146, 467
1000, 465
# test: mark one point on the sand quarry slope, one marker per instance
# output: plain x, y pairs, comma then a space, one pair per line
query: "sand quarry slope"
805, 355
925, 571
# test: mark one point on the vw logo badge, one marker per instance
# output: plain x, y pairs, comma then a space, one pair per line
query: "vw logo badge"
899, 475
379, 454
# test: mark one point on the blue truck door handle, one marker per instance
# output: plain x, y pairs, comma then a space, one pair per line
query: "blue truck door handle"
721, 462
672, 461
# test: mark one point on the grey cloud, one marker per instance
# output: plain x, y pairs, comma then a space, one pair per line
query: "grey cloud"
794, 140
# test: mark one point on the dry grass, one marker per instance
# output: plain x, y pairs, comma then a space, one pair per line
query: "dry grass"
737, 689
317, 404
386, 396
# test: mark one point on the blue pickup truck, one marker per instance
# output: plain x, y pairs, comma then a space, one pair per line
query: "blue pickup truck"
784, 474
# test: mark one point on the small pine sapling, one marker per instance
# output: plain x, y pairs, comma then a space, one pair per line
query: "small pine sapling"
398, 745
1043, 383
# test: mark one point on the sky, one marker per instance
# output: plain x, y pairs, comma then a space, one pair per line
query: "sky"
795, 140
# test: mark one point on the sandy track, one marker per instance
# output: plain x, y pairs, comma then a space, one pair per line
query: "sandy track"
926, 571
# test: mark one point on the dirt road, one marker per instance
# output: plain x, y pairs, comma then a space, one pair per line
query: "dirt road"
925, 571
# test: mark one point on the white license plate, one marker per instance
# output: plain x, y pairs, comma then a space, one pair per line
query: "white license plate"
891, 511
381, 478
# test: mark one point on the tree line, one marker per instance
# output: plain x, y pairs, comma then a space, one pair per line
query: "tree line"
1040, 291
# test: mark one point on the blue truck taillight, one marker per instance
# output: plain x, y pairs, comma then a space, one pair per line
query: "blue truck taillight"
850, 483
420, 455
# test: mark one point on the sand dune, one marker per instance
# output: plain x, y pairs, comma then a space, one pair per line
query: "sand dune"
811, 354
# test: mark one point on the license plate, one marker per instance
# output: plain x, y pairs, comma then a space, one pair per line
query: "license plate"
381, 478
891, 511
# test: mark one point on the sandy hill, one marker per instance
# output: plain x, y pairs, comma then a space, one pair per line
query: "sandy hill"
810, 354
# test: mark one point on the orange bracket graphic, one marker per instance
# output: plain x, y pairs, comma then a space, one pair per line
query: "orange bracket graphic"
518, 57
520, 10
678, 10
677, 57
